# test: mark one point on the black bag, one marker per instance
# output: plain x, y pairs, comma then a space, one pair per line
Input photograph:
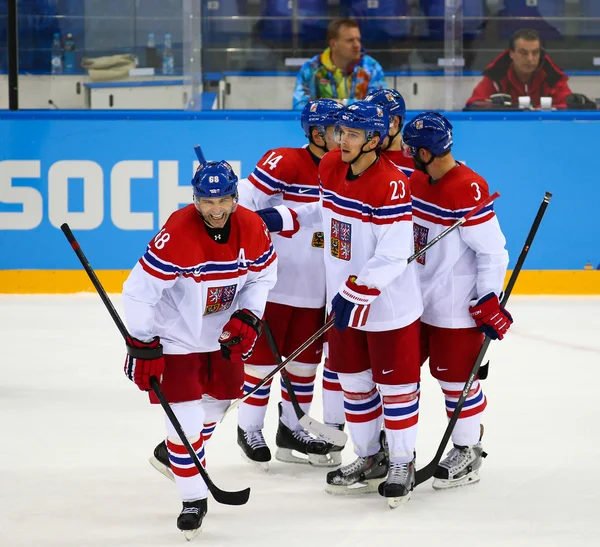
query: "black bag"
578, 101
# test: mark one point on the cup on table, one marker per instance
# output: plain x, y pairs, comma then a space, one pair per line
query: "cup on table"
524, 102
545, 103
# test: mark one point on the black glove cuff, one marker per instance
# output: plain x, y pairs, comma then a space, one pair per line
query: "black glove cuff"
246, 316
145, 353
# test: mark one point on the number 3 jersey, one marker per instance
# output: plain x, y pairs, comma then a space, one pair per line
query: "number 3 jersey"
367, 224
186, 285
468, 263
289, 176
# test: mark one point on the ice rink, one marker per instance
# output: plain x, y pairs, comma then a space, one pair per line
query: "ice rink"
76, 437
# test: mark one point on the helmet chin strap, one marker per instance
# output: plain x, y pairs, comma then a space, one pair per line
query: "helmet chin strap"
362, 151
392, 137
421, 165
324, 147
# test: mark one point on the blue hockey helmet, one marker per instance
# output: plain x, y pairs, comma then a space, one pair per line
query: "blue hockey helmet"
214, 180
429, 130
321, 114
391, 101
366, 116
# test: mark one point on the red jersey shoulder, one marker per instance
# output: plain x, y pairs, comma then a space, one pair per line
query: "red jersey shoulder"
254, 235
282, 163
178, 240
332, 168
468, 187
384, 184
398, 157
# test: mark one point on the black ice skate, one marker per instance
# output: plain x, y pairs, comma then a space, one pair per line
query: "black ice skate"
160, 461
399, 484
298, 446
459, 467
362, 476
254, 448
190, 519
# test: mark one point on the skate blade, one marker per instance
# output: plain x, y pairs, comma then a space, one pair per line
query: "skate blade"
397, 502
286, 455
356, 489
189, 535
263, 466
333, 459
162, 468
444, 484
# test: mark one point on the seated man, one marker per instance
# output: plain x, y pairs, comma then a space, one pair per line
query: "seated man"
524, 69
342, 72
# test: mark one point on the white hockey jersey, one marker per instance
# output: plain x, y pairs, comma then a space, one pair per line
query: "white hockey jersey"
468, 263
186, 285
368, 233
289, 176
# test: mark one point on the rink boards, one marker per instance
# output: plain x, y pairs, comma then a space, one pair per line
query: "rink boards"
116, 176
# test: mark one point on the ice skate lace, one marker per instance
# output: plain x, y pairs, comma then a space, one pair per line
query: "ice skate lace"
190, 510
302, 436
255, 439
354, 466
398, 473
457, 458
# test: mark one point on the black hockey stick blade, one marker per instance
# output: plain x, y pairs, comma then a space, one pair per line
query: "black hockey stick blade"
226, 498
427, 472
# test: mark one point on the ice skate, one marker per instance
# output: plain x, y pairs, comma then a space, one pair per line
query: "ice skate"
298, 446
190, 519
160, 460
362, 476
333, 456
254, 448
399, 484
460, 467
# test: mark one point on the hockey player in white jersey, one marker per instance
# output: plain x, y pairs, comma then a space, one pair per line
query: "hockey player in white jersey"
374, 295
461, 281
210, 259
296, 306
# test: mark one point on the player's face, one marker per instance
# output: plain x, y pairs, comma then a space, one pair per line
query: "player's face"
526, 56
330, 140
215, 211
347, 45
350, 140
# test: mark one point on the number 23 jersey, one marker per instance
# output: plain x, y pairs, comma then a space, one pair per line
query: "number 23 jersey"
367, 224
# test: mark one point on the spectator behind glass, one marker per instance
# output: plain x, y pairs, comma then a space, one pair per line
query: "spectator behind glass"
342, 72
522, 70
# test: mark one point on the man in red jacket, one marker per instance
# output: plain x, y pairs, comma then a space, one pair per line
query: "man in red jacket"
522, 70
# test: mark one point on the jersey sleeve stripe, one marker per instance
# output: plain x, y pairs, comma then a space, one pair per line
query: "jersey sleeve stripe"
356, 209
268, 180
269, 190
439, 215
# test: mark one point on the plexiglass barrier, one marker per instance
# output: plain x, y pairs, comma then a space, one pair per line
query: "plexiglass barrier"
246, 54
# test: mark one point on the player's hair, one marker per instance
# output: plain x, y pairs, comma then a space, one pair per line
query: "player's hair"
333, 30
527, 34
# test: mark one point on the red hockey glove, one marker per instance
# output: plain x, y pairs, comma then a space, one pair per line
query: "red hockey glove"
144, 359
239, 335
277, 217
351, 305
490, 317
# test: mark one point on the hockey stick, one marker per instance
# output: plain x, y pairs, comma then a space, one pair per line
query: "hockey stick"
325, 432
330, 323
427, 472
221, 496
200, 155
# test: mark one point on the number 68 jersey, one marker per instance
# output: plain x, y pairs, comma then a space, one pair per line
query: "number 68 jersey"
186, 285
367, 223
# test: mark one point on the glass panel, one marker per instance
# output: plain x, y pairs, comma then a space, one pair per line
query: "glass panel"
246, 54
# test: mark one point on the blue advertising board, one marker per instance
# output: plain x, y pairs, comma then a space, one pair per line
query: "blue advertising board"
116, 176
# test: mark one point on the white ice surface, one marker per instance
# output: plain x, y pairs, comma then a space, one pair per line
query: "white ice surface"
76, 436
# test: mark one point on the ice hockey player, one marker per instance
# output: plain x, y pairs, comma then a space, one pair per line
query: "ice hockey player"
296, 305
461, 280
393, 103
374, 295
210, 259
